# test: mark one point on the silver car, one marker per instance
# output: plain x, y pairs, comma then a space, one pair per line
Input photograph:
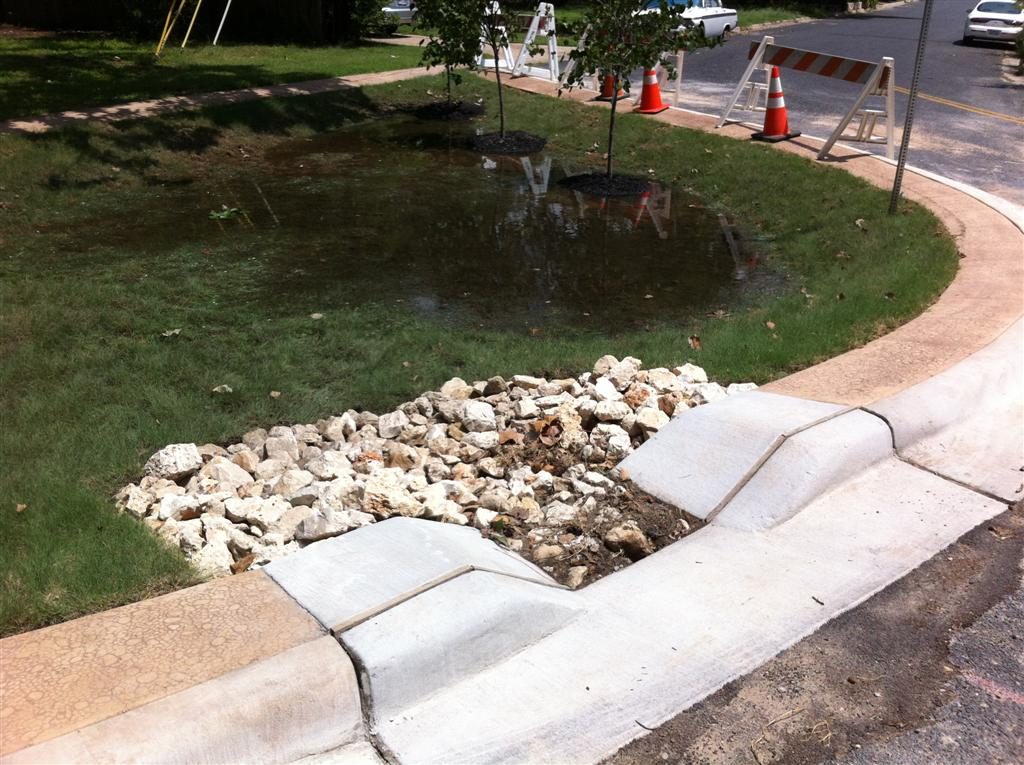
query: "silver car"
400, 11
994, 20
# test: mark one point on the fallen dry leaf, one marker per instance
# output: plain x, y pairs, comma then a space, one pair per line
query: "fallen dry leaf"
1001, 533
510, 437
861, 224
242, 564
770, 324
406, 364
316, 316
536, 332
275, 394
695, 342
20, 508
549, 429
171, 332
222, 389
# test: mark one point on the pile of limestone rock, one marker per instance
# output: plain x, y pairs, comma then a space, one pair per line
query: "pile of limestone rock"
528, 461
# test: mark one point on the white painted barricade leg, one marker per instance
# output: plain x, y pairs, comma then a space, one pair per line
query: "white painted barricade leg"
755, 61
505, 60
757, 93
680, 60
538, 177
542, 25
882, 83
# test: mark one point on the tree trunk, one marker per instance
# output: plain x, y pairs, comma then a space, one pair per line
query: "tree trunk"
611, 124
448, 82
501, 96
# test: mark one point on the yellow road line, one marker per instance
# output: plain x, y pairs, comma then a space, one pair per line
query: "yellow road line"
965, 107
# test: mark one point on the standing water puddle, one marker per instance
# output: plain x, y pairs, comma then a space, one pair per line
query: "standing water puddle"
393, 211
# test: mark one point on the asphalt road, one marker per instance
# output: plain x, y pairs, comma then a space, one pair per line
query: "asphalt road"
974, 137
930, 671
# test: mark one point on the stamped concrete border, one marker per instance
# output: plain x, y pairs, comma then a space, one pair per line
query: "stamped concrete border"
531, 704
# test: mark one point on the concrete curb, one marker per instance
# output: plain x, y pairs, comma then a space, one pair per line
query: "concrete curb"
302, 702
469, 655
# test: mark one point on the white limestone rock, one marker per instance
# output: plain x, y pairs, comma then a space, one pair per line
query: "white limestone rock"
330, 523
526, 409
651, 420
478, 417
605, 390
245, 458
292, 480
483, 441
612, 411
329, 465
623, 373
213, 560
174, 462
691, 373
172, 506
663, 380
390, 425
735, 388
225, 472
385, 495
134, 501
526, 382
604, 365
283, 447
457, 389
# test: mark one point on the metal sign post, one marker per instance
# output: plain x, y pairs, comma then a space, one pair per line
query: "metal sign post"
911, 100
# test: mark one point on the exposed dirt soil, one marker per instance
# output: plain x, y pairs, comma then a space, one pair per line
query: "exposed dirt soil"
514, 142
583, 539
875, 673
600, 184
11, 31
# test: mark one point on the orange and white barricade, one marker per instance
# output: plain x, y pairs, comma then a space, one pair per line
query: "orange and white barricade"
877, 78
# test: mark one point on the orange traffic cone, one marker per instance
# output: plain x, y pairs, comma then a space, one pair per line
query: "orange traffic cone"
776, 122
650, 96
645, 199
608, 90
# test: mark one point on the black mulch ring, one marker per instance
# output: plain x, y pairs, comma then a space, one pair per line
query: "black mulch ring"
601, 185
443, 110
515, 142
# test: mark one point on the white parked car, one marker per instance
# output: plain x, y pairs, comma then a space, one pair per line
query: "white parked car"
707, 15
994, 20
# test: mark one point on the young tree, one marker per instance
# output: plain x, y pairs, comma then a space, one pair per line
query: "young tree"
623, 36
454, 36
494, 34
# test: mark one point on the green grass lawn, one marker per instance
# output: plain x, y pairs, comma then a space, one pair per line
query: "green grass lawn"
47, 74
90, 387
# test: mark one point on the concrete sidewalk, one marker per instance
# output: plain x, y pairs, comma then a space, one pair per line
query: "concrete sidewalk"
465, 655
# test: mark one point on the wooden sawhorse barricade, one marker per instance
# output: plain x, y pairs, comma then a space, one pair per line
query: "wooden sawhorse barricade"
878, 79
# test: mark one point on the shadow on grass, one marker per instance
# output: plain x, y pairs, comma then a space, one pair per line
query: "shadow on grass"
145, 148
43, 75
